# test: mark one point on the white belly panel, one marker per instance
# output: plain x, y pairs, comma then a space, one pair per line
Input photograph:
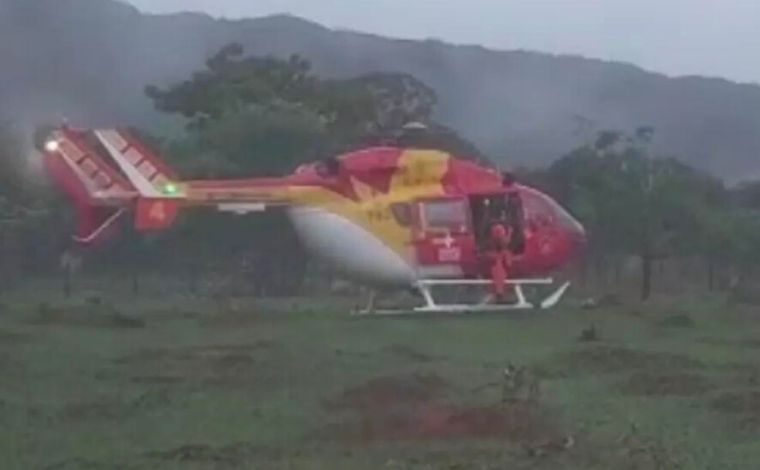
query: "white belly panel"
349, 247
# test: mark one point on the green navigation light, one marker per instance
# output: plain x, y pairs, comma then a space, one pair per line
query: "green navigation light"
170, 188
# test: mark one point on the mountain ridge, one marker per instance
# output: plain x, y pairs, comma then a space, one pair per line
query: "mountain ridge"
90, 60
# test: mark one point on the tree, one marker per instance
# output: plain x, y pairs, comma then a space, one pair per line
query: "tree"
28, 228
264, 116
631, 202
397, 100
346, 110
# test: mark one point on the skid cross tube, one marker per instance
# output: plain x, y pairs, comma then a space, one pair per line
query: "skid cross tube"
425, 286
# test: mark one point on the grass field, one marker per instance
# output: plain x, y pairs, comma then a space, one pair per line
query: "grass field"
170, 382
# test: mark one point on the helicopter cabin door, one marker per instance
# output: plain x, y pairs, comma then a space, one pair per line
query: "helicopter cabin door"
443, 238
502, 207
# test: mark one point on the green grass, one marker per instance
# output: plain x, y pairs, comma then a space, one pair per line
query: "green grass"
203, 387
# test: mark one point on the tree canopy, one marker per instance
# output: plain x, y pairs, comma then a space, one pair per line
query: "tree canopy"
636, 203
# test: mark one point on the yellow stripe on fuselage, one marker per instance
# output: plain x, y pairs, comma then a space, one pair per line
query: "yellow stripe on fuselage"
420, 174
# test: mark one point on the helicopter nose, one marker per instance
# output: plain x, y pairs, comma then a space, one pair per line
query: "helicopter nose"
578, 232
574, 230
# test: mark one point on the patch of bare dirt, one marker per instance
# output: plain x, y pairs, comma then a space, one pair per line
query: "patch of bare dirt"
94, 411
343, 353
114, 410
742, 374
411, 407
93, 313
666, 384
11, 370
738, 343
231, 456
518, 423
743, 407
612, 359
12, 338
149, 356
676, 321
228, 365
200, 454
230, 319
407, 353
738, 402
79, 464
386, 392
157, 380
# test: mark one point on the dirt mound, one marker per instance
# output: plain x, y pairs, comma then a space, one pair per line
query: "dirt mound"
518, 423
744, 407
227, 365
387, 392
93, 313
411, 407
610, 359
675, 384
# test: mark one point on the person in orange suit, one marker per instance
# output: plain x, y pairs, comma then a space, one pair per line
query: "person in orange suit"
499, 257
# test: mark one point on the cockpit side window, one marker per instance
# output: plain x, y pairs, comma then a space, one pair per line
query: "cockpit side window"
445, 214
538, 211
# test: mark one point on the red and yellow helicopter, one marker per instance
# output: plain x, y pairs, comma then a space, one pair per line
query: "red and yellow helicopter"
400, 216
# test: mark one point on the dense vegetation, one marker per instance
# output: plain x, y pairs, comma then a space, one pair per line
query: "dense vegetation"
263, 116
636, 203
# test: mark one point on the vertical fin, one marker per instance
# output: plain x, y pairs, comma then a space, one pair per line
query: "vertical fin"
81, 171
99, 193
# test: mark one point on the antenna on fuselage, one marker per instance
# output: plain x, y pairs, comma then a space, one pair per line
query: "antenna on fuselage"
414, 134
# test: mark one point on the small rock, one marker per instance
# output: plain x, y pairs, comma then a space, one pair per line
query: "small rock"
590, 334
677, 321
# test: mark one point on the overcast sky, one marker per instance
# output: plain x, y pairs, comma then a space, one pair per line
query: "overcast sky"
676, 37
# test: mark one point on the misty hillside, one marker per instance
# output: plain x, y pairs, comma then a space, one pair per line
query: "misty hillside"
90, 60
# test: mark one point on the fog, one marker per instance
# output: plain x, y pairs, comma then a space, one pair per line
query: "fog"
676, 37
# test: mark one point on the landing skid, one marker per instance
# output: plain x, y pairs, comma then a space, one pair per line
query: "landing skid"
425, 287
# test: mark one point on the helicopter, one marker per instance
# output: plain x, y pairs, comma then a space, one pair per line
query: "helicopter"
400, 215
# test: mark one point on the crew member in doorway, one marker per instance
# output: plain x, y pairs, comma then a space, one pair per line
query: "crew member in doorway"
505, 236
499, 257
515, 214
